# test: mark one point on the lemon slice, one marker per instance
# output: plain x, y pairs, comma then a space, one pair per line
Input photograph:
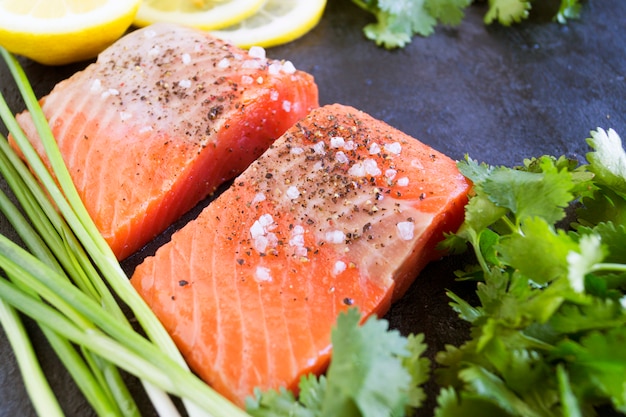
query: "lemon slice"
202, 14
56, 32
276, 23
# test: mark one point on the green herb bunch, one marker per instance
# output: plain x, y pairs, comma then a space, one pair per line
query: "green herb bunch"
397, 21
550, 241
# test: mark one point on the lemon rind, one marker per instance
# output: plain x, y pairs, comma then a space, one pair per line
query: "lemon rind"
222, 15
284, 29
11, 22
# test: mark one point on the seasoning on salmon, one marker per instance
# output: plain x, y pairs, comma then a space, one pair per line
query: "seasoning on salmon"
165, 116
343, 210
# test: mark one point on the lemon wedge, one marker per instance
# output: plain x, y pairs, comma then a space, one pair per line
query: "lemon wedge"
56, 32
276, 23
201, 14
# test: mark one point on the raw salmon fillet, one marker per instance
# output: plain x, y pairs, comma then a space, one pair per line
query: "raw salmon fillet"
164, 117
343, 210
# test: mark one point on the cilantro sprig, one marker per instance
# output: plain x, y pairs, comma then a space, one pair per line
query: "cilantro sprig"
550, 244
365, 378
397, 21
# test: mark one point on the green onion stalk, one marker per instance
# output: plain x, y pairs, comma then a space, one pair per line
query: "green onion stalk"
62, 279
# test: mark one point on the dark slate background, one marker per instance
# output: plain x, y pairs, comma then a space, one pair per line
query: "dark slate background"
498, 94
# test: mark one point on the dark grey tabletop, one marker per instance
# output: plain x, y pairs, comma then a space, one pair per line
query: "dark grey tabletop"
498, 94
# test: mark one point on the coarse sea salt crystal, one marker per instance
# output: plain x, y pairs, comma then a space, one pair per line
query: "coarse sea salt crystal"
184, 83
296, 150
272, 240
297, 240
154, 51
266, 220
256, 230
260, 243
374, 148
149, 34
124, 115
341, 157
337, 142
96, 86
349, 145
357, 170
262, 274
288, 67
403, 182
146, 129
258, 197
274, 68
273, 95
319, 148
186, 58
335, 236
223, 63
257, 52
246, 79
391, 173
297, 236
405, 230
293, 192
394, 148
251, 64
371, 167
339, 267
287, 106
110, 92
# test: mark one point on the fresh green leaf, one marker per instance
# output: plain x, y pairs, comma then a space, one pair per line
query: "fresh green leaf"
599, 314
507, 12
569, 9
608, 161
530, 194
538, 241
374, 371
568, 399
489, 386
453, 404
604, 205
366, 376
397, 21
419, 368
448, 12
599, 358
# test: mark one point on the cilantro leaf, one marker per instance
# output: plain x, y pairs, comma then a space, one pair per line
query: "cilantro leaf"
448, 12
374, 371
450, 405
569, 9
507, 12
397, 21
276, 403
608, 161
538, 241
597, 315
530, 194
419, 369
597, 364
364, 376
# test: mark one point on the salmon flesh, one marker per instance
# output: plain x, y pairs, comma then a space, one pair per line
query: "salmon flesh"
341, 211
163, 117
